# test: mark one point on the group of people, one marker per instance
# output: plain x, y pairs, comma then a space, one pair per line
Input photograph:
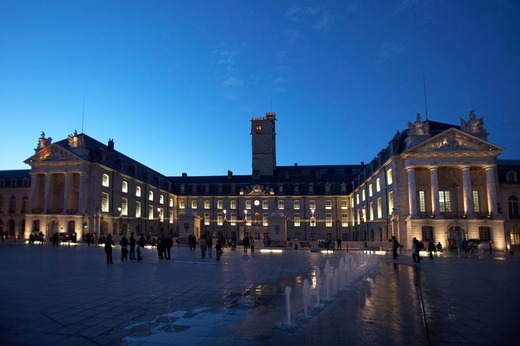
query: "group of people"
134, 244
418, 245
206, 246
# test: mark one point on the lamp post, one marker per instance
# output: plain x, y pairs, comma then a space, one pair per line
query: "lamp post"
245, 223
225, 229
120, 220
159, 231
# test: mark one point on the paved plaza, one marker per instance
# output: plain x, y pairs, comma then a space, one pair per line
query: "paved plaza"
70, 296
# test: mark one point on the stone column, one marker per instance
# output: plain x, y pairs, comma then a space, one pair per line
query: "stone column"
34, 181
82, 196
491, 189
46, 195
434, 180
466, 191
412, 203
66, 191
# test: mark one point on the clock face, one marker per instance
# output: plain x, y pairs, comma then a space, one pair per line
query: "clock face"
257, 202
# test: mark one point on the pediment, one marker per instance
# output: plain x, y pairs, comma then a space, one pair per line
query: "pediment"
453, 142
52, 153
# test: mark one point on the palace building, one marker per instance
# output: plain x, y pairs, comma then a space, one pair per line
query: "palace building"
433, 181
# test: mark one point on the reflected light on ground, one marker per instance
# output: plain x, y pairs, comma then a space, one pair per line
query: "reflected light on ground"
271, 250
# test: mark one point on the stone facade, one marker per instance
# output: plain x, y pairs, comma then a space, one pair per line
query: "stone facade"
434, 181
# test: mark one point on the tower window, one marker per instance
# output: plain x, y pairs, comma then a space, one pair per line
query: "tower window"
258, 129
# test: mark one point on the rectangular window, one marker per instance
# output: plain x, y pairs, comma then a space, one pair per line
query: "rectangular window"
220, 205
124, 187
371, 212
297, 221
138, 209
312, 204
160, 214
161, 199
363, 195
206, 204
391, 201
484, 233
182, 204
344, 220
248, 204
313, 221
171, 202
476, 201
444, 201
150, 195
233, 219
193, 204
296, 204
427, 233
105, 207
232, 204
344, 204
379, 209
265, 219
328, 220
281, 204
220, 219
370, 192
138, 191
422, 201
206, 219
378, 184
124, 207
105, 180
265, 204
150, 212
328, 204
389, 177
357, 198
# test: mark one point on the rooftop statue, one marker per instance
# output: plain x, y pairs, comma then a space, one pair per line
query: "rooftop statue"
474, 125
418, 128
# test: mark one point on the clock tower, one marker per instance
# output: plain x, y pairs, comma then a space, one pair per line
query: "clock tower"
264, 145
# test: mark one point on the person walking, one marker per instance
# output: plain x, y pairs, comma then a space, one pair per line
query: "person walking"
431, 248
168, 243
416, 248
218, 249
209, 244
124, 249
252, 245
108, 249
246, 244
202, 244
133, 242
395, 246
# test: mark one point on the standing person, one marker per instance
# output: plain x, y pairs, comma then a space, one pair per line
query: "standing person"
246, 244
252, 245
339, 243
218, 249
168, 243
431, 248
55, 239
395, 246
439, 247
209, 244
161, 247
133, 242
108, 249
202, 243
124, 249
142, 241
416, 247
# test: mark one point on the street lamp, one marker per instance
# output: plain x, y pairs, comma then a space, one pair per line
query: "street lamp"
225, 230
159, 219
120, 220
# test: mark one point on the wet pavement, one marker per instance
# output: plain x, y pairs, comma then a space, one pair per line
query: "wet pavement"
68, 295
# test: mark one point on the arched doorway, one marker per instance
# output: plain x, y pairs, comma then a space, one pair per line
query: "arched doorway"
454, 236
52, 227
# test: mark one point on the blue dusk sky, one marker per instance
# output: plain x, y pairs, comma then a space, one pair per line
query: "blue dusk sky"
175, 83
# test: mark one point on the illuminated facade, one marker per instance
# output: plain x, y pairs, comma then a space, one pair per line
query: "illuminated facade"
433, 181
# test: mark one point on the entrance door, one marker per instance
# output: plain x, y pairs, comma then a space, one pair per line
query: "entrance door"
454, 237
